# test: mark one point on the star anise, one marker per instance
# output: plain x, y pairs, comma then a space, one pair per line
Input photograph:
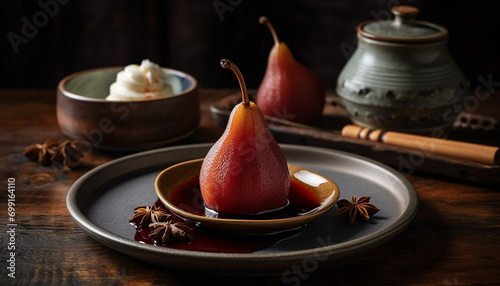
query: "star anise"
167, 231
68, 153
42, 152
143, 216
353, 209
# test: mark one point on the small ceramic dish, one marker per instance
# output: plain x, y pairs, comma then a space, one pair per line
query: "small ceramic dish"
177, 182
83, 113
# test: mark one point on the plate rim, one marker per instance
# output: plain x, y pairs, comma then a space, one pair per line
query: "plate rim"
339, 250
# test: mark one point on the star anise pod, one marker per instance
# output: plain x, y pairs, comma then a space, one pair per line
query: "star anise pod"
70, 152
42, 152
167, 231
354, 208
143, 216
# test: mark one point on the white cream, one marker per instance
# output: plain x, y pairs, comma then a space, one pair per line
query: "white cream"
143, 82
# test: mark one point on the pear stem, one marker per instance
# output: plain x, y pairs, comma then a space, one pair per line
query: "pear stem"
227, 64
265, 21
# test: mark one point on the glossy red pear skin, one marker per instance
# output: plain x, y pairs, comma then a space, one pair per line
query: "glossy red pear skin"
245, 172
290, 90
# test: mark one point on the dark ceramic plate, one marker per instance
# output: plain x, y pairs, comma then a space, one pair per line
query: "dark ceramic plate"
128, 182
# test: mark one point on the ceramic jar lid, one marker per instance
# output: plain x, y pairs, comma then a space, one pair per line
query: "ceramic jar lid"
403, 29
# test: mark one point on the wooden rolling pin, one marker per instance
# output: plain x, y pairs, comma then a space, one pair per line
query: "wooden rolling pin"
462, 150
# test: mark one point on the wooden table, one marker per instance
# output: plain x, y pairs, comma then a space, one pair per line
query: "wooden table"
454, 240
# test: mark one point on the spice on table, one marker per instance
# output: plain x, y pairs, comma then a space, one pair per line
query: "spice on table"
356, 208
42, 152
68, 153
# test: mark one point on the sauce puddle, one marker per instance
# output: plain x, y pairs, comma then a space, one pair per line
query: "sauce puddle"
189, 198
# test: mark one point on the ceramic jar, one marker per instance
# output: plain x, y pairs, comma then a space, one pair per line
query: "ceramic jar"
401, 76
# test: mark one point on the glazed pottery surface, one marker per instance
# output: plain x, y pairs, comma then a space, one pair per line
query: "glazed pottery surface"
401, 76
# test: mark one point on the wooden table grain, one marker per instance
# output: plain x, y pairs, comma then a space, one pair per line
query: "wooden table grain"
454, 240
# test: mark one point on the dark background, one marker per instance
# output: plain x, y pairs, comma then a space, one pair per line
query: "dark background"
191, 36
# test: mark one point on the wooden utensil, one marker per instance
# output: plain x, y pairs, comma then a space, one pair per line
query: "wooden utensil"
457, 149
463, 150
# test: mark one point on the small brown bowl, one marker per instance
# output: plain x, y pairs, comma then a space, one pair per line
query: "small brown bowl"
83, 113
169, 182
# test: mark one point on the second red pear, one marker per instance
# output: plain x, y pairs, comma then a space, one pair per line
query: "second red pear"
289, 90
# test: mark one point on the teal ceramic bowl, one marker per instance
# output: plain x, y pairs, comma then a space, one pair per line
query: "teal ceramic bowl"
84, 114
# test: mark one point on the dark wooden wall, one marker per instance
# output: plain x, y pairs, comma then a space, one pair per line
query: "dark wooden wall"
193, 36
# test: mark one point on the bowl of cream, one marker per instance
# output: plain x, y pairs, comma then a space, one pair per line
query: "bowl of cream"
129, 108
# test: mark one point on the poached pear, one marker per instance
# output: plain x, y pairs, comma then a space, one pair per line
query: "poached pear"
289, 90
245, 171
